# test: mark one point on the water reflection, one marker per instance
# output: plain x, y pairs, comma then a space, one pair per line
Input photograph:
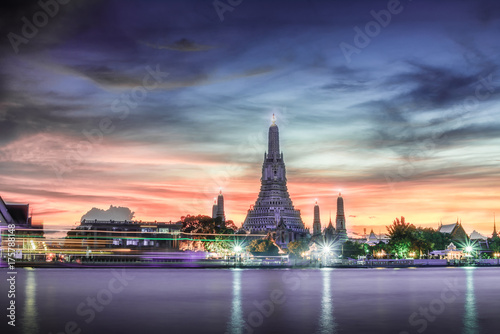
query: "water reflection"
327, 320
470, 319
236, 323
30, 314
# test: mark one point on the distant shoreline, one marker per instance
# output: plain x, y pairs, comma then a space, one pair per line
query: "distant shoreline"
195, 265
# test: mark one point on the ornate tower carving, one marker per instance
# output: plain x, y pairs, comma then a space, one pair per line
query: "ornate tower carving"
274, 203
340, 220
218, 207
316, 220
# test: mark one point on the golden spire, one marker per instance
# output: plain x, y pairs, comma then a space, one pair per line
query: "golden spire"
274, 120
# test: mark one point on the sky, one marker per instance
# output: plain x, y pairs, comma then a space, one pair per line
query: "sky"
156, 105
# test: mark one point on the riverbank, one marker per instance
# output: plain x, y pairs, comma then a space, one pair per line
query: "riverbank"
213, 264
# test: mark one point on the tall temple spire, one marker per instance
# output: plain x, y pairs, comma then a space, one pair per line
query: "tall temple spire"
214, 208
220, 206
340, 210
273, 151
316, 220
330, 225
495, 234
340, 219
273, 199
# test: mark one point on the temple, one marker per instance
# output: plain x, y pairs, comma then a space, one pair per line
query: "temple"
341, 232
316, 221
495, 234
273, 206
218, 207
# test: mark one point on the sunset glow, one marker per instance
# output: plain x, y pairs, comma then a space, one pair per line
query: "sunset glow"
391, 129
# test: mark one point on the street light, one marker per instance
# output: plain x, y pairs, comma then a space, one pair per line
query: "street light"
237, 250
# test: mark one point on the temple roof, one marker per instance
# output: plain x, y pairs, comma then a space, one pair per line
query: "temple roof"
447, 228
477, 236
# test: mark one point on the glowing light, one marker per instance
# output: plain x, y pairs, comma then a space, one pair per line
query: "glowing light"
469, 249
237, 249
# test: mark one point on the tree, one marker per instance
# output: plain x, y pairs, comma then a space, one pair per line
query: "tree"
214, 233
432, 239
298, 247
403, 237
495, 244
263, 247
378, 248
353, 250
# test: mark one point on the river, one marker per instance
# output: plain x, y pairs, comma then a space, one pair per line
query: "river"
399, 301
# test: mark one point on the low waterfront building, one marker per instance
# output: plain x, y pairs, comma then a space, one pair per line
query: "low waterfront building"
16, 220
450, 253
125, 234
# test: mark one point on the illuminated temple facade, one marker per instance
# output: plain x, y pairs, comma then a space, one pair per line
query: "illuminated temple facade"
273, 210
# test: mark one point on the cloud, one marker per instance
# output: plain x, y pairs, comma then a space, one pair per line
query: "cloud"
353, 216
183, 45
113, 213
487, 11
372, 217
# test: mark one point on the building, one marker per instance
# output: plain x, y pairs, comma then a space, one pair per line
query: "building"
450, 253
95, 234
341, 231
329, 232
218, 208
273, 206
475, 235
372, 239
29, 236
14, 213
316, 221
456, 232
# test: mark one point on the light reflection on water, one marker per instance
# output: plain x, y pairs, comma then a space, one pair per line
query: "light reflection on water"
327, 320
29, 317
236, 323
470, 319
330, 301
